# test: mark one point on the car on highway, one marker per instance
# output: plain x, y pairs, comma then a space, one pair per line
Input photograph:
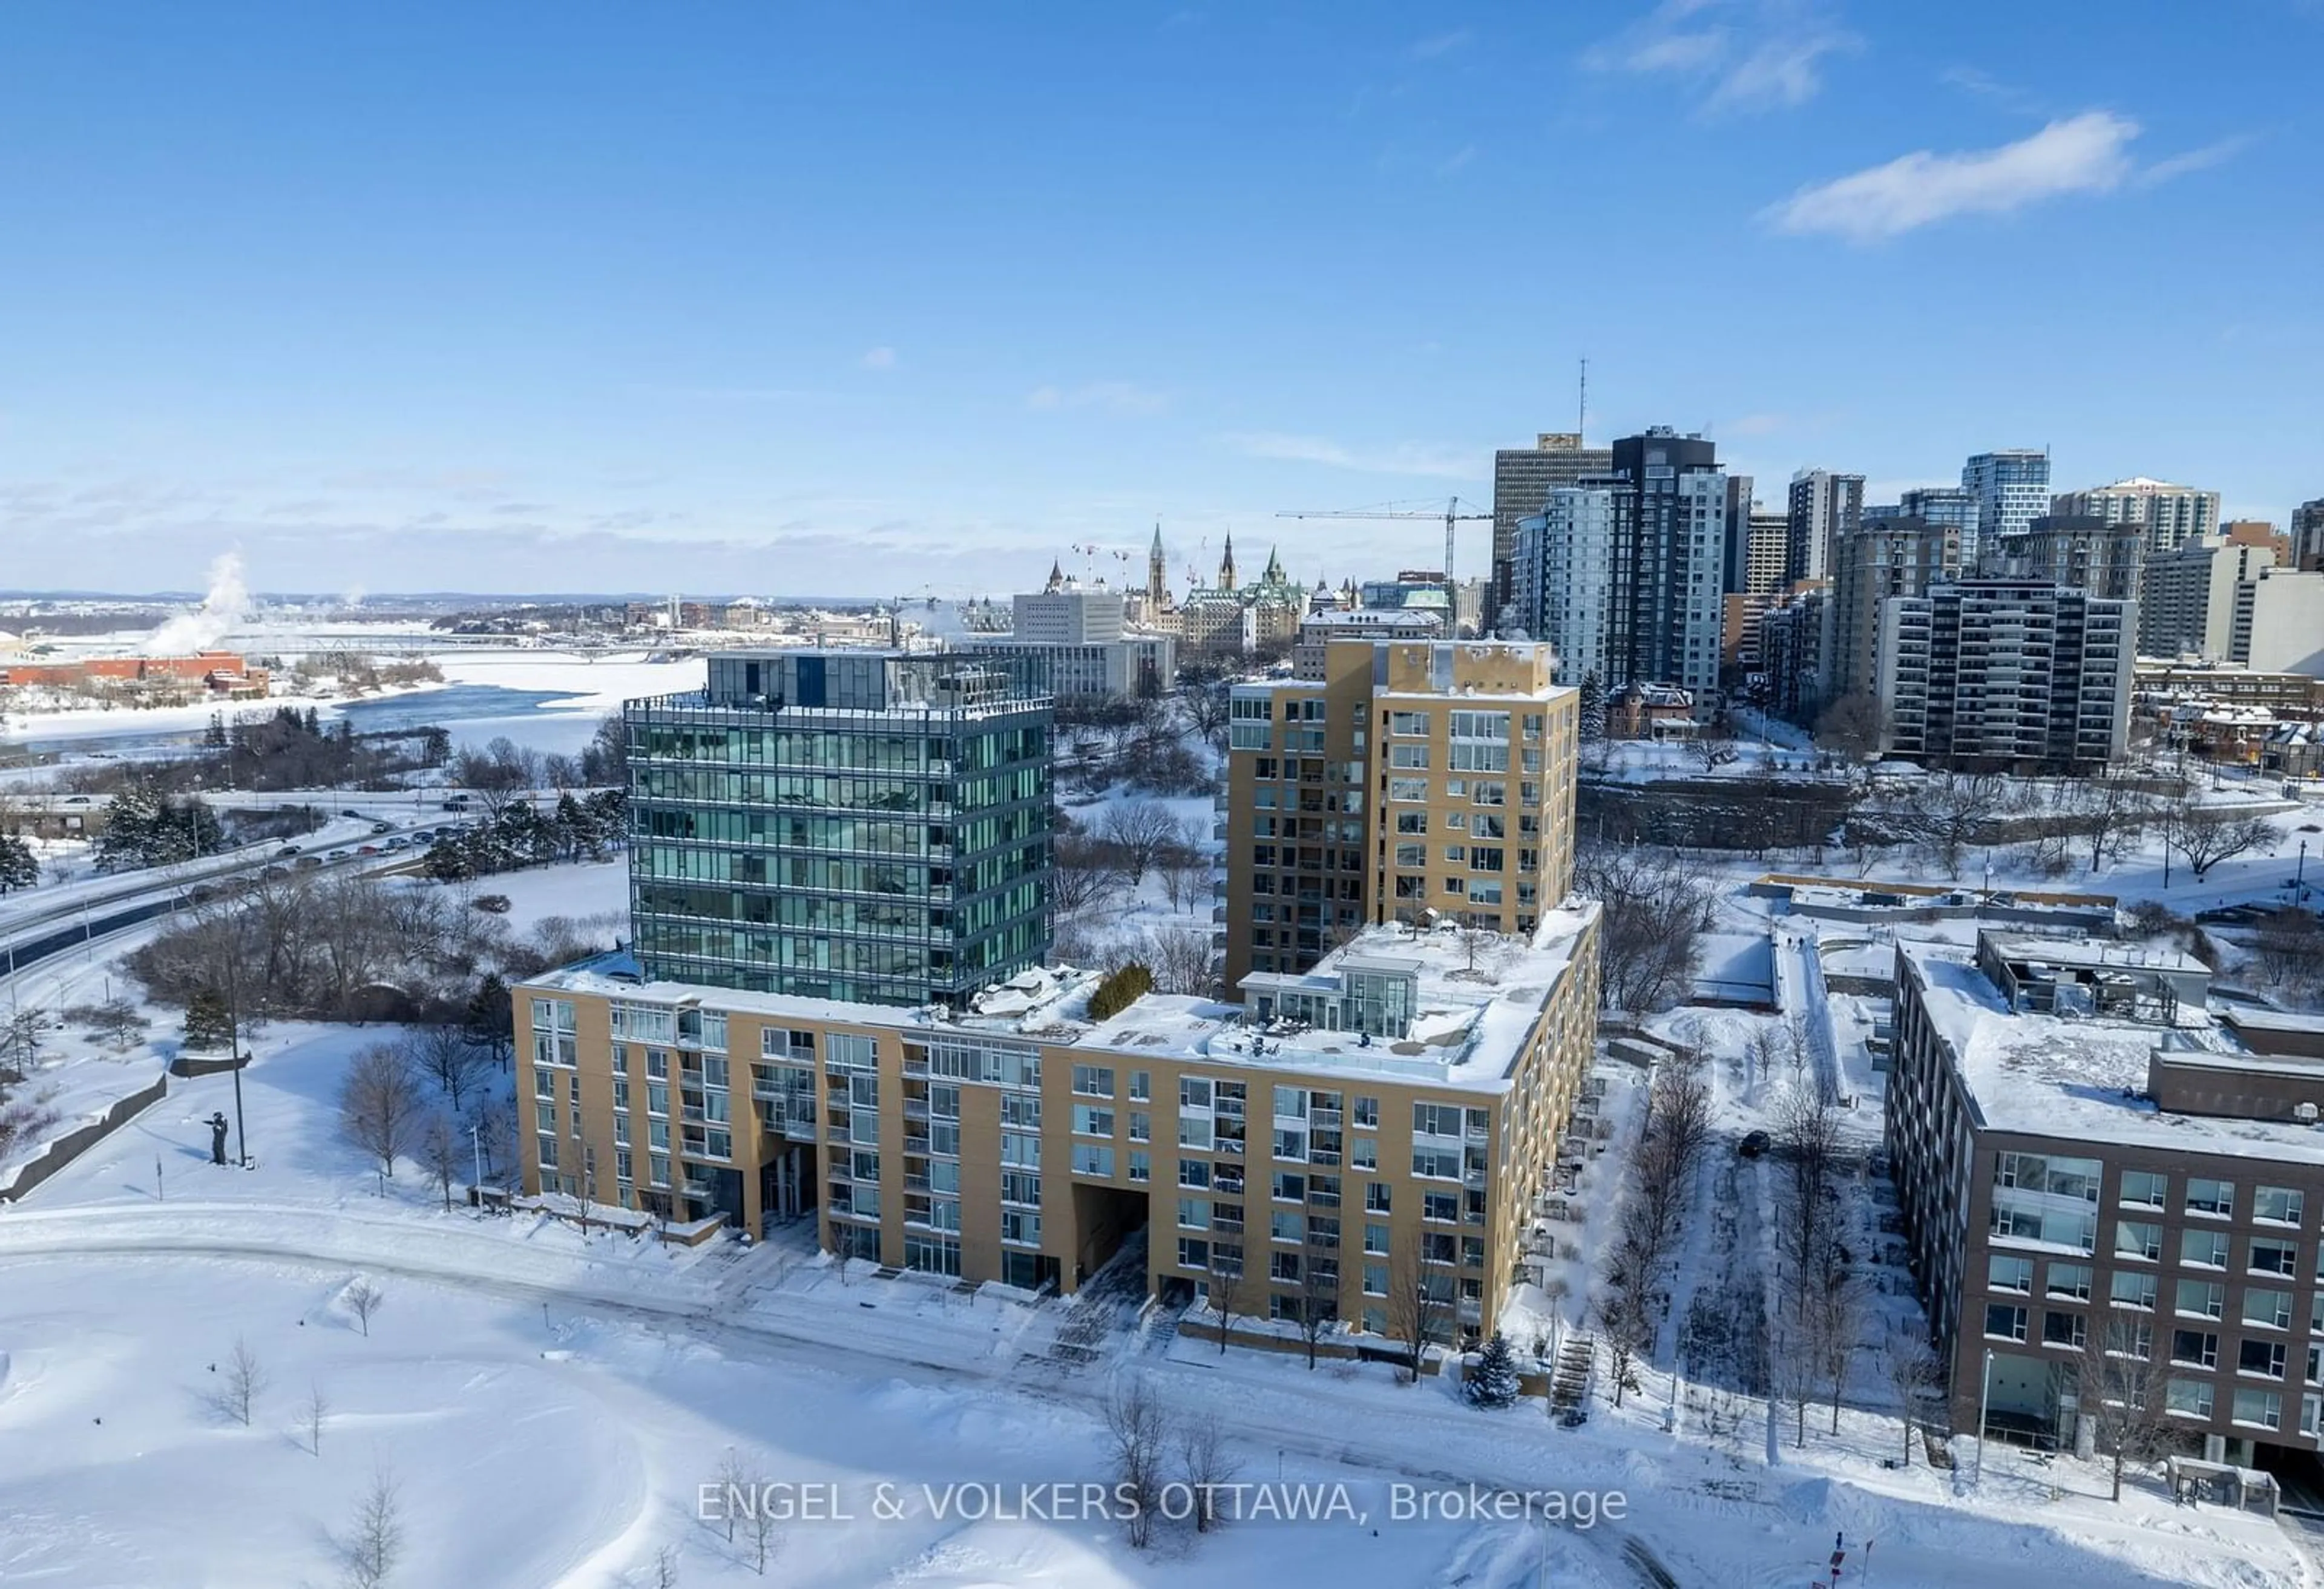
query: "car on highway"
368, 849
75, 800
308, 862
271, 872
383, 827
286, 852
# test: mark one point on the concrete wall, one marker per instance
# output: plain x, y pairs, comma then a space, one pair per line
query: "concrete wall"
65, 1149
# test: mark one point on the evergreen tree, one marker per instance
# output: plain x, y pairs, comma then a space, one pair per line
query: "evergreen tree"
131, 824
1592, 726
1493, 1383
19, 868
209, 1024
490, 1017
214, 736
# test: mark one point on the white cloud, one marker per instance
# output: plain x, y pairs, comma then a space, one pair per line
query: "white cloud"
1441, 463
2088, 153
1452, 163
879, 358
1441, 44
2194, 160
1741, 55
1110, 397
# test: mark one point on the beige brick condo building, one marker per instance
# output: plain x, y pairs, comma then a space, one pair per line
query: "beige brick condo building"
1385, 1116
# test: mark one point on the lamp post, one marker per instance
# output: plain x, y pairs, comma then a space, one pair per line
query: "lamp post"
1984, 1396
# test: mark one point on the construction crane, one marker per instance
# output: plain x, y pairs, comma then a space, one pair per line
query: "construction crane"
1451, 516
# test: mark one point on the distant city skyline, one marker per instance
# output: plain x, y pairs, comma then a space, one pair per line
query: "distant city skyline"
798, 302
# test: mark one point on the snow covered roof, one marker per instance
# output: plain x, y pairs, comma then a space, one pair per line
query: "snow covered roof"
2083, 1077
1472, 1019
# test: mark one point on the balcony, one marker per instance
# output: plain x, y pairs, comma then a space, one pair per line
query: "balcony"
915, 1109
916, 1064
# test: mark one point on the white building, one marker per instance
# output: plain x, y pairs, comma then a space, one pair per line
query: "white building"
2187, 602
1562, 581
1822, 508
1067, 615
2170, 515
2011, 488
2279, 623
1997, 675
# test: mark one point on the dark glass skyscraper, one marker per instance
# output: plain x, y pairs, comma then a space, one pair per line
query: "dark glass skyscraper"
867, 826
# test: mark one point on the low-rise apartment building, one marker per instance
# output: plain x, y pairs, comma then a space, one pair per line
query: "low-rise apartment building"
1385, 1118
2082, 1153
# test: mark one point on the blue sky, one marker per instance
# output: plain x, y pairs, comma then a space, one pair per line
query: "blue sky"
865, 299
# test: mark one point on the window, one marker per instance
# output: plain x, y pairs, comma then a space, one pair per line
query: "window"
2145, 1189
2188, 1397
2205, 1249
1021, 1150
1376, 1280
1408, 757
1141, 1125
1141, 1086
2130, 1338
1288, 1188
2132, 1289
1092, 1122
2274, 1257
1089, 1160
1376, 1237
1442, 1207
1436, 1163
2199, 1347
2201, 1299
1376, 1197
1142, 1164
2261, 1357
1435, 1120
1021, 1227
1195, 1132
1363, 1153
1367, 1114
1286, 1228
2278, 1204
1194, 1214
2065, 1329
2135, 1238
1093, 1080
2262, 1409
1193, 1092
1194, 1172
2266, 1307
1193, 1253
2210, 1196
1407, 723
2004, 1322
2071, 1279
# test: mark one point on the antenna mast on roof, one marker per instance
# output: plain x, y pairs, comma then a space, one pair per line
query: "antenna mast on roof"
1581, 411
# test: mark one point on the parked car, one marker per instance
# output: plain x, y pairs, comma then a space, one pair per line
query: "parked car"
1754, 1143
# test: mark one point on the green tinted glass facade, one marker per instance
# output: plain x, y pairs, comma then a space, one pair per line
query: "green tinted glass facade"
894, 849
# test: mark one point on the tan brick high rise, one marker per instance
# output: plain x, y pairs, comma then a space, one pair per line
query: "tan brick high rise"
1415, 782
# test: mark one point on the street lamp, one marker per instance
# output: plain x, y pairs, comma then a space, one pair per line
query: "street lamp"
1984, 1396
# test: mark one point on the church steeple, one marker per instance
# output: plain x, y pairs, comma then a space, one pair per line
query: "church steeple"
1158, 583
1226, 565
1274, 574
1056, 576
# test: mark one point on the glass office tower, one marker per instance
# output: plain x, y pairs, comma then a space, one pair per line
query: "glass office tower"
867, 826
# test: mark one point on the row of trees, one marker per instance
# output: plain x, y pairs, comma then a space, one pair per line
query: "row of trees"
343, 948
518, 835
1129, 842
1142, 741
1663, 1172
1656, 904
504, 767
147, 828
387, 1111
2103, 817
287, 748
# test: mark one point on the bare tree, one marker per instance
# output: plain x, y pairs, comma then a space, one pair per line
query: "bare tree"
1420, 1300
1138, 1429
1794, 1367
733, 1481
1807, 1135
2205, 835
1187, 881
1319, 1298
440, 1153
1141, 832
1208, 1467
1913, 1372
311, 1416
758, 1524
2122, 1387
445, 1054
1180, 959
1656, 905
244, 1378
379, 1106
1228, 1286
1949, 811
1850, 727
1083, 874
375, 1543
363, 1300
665, 1567
22, 1121
1836, 1318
